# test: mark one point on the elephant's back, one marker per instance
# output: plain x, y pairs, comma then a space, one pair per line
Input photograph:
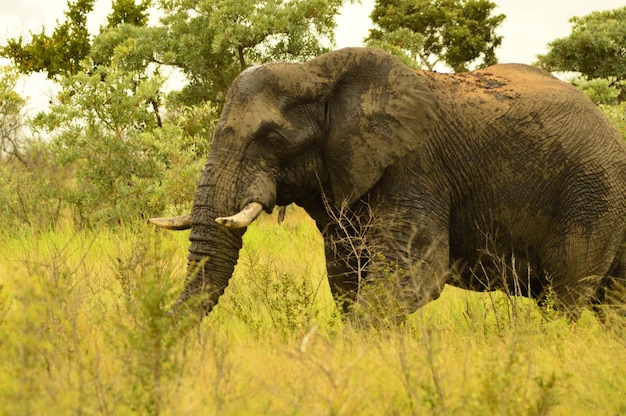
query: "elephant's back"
526, 105
530, 144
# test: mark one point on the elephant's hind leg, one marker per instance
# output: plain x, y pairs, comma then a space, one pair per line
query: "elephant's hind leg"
577, 267
611, 295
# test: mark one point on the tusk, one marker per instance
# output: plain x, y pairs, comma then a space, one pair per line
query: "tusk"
243, 218
182, 222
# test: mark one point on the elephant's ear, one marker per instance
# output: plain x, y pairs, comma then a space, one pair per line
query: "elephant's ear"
377, 111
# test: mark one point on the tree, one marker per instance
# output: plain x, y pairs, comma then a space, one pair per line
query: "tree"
457, 33
27, 179
600, 90
121, 159
128, 12
12, 119
98, 129
70, 42
596, 48
212, 41
60, 53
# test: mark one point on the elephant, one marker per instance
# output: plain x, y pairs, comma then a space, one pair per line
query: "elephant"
500, 178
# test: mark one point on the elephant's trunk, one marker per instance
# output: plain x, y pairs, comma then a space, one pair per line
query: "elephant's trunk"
206, 276
213, 254
216, 234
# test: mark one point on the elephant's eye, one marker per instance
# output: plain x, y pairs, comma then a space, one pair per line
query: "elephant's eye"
273, 141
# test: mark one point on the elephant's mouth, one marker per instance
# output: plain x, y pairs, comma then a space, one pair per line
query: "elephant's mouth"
303, 190
261, 197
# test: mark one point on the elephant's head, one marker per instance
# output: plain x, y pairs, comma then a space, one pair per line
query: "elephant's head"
299, 133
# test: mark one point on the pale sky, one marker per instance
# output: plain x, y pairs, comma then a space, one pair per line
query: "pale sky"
529, 25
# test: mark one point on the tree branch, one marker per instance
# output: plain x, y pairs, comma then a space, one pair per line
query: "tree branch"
242, 58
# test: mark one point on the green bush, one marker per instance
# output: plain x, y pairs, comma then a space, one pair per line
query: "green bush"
29, 193
599, 90
126, 162
617, 115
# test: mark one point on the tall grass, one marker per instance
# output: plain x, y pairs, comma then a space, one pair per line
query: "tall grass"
83, 330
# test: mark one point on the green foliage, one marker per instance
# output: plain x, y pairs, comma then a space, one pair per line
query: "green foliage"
131, 47
12, 119
29, 191
212, 41
128, 12
403, 43
126, 39
100, 129
181, 159
28, 179
104, 128
457, 33
596, 48
617, 115
599, 90
60, 53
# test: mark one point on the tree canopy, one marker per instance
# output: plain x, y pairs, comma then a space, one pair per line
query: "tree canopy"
70, 43
211, 41
596, 48
60, 53
457, 33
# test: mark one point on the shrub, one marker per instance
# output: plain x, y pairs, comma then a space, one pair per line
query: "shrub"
125, 161
617, 115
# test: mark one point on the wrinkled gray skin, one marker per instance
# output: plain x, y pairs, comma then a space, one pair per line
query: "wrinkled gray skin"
500, 178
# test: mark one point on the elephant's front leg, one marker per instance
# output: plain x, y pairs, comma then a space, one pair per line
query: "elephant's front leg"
389, 266
345, 264
409, 267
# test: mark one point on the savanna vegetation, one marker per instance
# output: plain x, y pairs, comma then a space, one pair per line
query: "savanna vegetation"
85, 283
84, 331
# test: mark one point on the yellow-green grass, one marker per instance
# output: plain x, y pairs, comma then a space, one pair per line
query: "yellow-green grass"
83, 330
